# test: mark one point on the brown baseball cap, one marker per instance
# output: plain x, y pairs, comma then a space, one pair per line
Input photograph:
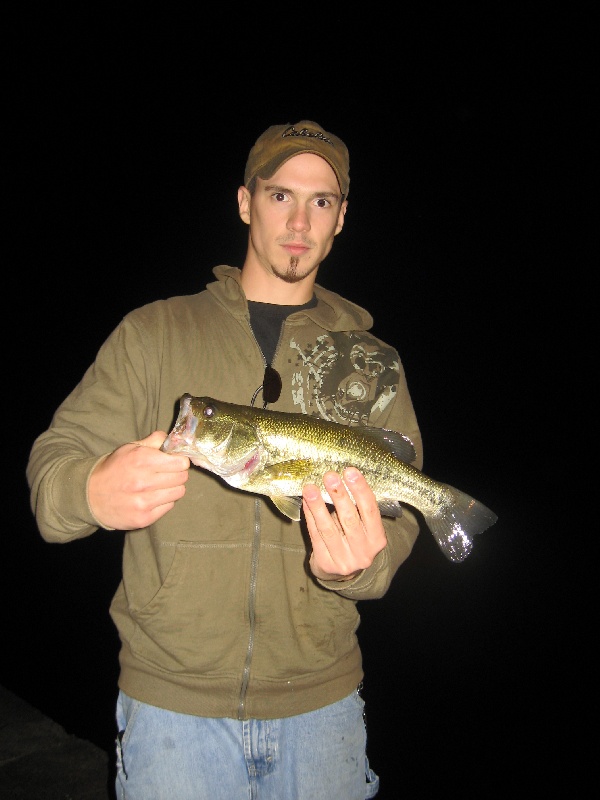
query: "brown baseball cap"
280, 142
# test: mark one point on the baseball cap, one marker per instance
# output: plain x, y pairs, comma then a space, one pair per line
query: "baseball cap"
280, 142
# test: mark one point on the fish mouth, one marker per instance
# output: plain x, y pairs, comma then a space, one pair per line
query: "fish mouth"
184, 430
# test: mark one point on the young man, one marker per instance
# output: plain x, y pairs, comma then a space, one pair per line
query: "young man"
240, 668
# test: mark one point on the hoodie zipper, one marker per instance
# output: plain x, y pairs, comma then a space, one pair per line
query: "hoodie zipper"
251, 611
253, 568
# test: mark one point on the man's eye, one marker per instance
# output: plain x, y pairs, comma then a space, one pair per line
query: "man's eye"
279, 196
322, 203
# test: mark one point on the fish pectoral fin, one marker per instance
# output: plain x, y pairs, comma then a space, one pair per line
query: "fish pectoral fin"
390, 508
290, 506
286, 479
289, 476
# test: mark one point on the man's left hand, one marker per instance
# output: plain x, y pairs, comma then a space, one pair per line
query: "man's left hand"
346, 540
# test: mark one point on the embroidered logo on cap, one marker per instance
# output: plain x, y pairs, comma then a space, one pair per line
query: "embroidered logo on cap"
291, 131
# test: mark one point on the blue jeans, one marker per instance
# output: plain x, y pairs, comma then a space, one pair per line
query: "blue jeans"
321, 755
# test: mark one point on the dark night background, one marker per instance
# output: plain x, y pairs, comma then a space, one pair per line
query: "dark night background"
464, 238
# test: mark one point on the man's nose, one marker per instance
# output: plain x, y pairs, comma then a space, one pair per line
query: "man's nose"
299, 219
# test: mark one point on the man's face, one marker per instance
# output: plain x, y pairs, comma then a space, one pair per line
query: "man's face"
294, 216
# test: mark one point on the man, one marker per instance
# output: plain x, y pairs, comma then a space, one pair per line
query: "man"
240, 668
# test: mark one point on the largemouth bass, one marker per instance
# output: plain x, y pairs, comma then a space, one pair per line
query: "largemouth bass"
275, 453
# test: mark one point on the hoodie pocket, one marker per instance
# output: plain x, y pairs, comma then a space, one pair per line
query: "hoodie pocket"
197, 621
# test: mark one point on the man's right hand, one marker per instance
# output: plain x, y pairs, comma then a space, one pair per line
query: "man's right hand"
137, 484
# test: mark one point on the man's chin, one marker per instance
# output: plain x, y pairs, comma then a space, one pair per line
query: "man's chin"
293, 273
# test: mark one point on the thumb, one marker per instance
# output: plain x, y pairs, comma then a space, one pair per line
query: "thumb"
155, 440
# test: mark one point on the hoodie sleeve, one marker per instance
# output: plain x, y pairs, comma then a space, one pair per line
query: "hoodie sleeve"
109, 406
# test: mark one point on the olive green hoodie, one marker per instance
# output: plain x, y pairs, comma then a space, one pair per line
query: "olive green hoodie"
217, 610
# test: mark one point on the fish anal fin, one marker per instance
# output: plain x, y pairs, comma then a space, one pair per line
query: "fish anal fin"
390, 508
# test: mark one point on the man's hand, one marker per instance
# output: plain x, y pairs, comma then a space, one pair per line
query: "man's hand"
137, 484
346, 541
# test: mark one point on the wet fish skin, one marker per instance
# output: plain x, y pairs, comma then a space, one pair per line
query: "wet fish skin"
275, 453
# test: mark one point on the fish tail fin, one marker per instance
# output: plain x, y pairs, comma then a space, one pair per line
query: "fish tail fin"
462, 519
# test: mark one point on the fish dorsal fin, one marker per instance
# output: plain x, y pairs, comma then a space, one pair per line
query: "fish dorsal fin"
396, 443
290, 506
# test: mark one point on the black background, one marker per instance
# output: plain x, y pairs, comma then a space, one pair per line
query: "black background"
464, 237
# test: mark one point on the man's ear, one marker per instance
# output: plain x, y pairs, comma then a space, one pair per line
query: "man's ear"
341, 217
244, 204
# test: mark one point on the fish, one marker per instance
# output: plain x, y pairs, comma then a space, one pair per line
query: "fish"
276, 453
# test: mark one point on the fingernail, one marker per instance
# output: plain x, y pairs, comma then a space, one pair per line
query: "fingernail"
311, 492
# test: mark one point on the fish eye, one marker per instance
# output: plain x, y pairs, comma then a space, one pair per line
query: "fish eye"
208, 411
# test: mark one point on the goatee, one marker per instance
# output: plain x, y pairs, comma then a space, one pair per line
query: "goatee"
291, 274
